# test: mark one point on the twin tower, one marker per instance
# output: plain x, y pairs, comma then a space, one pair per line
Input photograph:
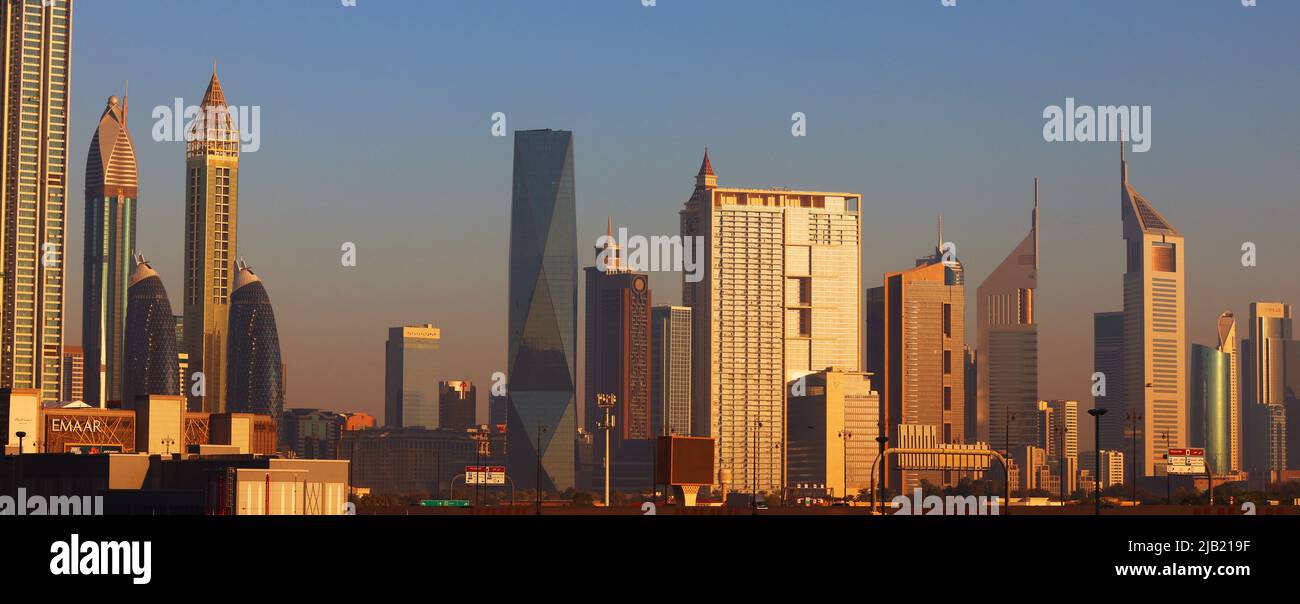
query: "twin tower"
223, 353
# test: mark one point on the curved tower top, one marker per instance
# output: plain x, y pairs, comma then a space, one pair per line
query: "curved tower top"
213, 131
111, 166
254, 377
151, 363
1139, 215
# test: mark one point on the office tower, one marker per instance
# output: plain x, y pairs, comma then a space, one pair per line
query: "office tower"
1155, 338
971, 406
874, 354
924, 377
457, 405
254, 372
1209, 418
670, 370
74, 372
311, 433
498, 410
1264, 389
1291, 409
410, 377
111, 186
1007, 345
834, 419
779, 297
1112, 468
149, 355
543, 303
1060, 431
182, 357
617, 354
33, 186
1108, 360
211, 227
1228, 344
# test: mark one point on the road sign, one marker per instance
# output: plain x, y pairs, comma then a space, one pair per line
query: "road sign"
486, 475
1183, 462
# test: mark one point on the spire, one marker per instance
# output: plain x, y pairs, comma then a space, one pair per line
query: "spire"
939, 246
706, 178
609, 227
613, 262
214, 96
1033, 226
1123, 163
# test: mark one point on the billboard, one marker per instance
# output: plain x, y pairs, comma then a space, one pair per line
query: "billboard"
685, 460
1186, 461
488, 475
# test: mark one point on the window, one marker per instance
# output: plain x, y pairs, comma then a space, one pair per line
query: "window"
947, 362
1163, 257
947, 320
947, 398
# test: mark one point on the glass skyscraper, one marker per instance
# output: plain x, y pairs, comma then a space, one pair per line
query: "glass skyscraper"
543, 303
670, 370
254, 381
410, 381
1209, 419
149, 359
111, 185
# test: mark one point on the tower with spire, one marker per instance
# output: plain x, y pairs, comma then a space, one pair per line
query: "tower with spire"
110, 240
1155, 337
211, 245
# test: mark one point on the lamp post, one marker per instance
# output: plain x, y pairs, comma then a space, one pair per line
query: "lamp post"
18, 464
167, 445
845, 435
540, 431
1135, 418
1096, 413
882, 439
605, 402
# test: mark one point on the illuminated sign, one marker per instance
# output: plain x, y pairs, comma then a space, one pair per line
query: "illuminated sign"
89, 426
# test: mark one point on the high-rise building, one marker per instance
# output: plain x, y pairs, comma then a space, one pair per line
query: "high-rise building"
211, 228
311, 433
410, 378
617, 354
1007, 346
1112, 464
670, 370
254, 378
149, 355
925, 378
543, 306
1060, 431
1209, 416
1264, 389
1155, 338
74, 371
834, 419
1108, 360
778, 297
498, 410
33, 187
111, 186
457, 405
1228, 344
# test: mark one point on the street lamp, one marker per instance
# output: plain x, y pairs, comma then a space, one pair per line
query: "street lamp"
1096, 413
18, 462
167, 444
540, 431
605, 402
845, 435
882, 439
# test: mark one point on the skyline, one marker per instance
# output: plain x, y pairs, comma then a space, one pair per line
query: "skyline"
982, 199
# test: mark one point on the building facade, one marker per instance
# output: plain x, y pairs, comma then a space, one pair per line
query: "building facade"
779, 297
670, 371
1155, 336
1264, 390
74, 371
33, 192
1007, 346
111, 198
1210, 416
1228, 344
211, 243
254, 370
543, 306
834, 419
457, 405
311, 433
150, 360
410, 379
409, 461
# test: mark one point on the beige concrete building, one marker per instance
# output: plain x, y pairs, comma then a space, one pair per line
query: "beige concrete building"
1155, 334
211, 221
833, 422
780, 298
33, 192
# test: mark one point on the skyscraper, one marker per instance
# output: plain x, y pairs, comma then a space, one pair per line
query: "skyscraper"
925, 378
1155, 337
1264, 370
670, 370
617, 353
110, 241
74, 371
410, 378
33, 187
779, 298
1108, 360
1007, 346
211, 221
457, 405
1228, 345
254, 372
149, 351
543, 303
1209, 416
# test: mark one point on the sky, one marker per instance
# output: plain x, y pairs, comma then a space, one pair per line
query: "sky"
376, 129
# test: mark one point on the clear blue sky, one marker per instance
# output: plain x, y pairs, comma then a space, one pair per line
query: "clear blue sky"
375, 130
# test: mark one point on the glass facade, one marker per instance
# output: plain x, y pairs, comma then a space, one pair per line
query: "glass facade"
543, 302
254, 379
411, 382
1210, 412
150, 350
